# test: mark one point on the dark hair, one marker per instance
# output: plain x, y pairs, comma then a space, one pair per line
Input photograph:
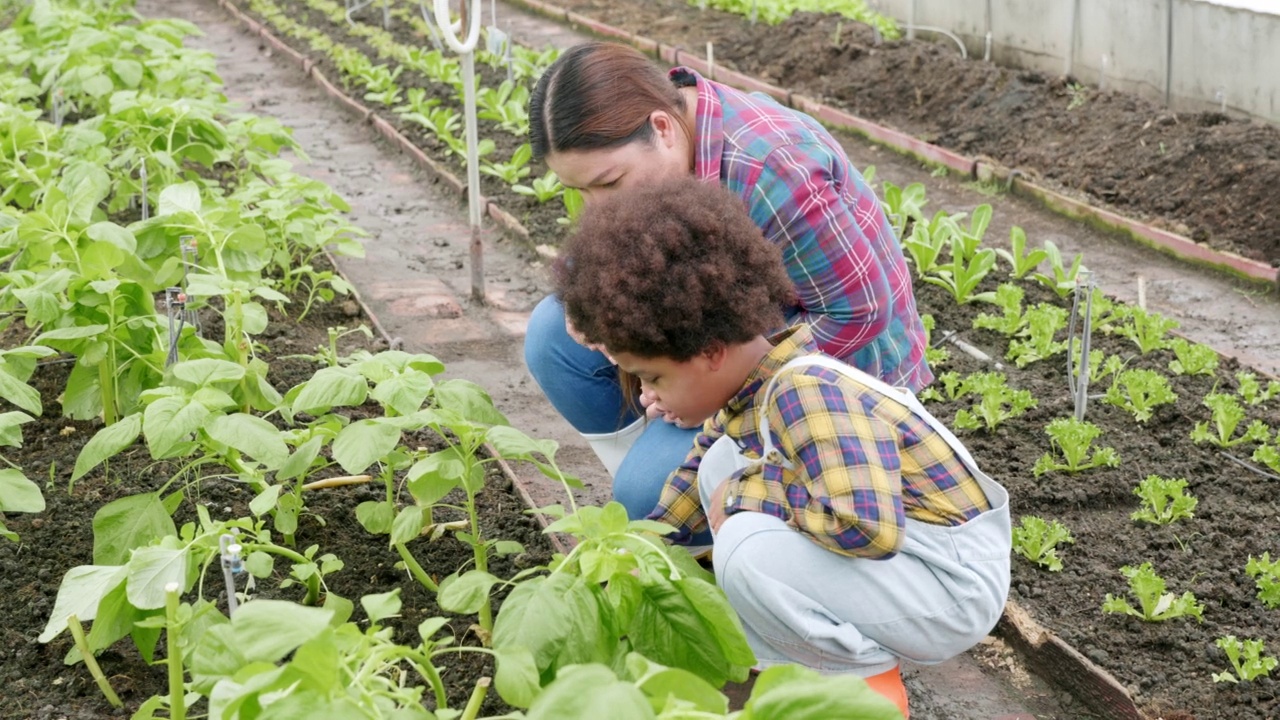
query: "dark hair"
598, 95
670, 270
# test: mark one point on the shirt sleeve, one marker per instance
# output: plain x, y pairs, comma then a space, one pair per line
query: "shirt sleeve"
844, 489
842, 287
680, 504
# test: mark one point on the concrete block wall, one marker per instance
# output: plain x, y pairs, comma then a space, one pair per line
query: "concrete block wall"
1194, 54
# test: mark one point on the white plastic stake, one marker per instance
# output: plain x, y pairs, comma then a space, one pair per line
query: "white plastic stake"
142, 175
711, 61
1220, 94
911, 20
986, 49
1102, 74
1142, 292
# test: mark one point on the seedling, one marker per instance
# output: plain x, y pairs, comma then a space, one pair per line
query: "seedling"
1147, 330
933, 355
1157, 605
1036, 340
962, 275
1227, 416
1192, 358
1266, 575
512, 171
925, 247
573, 206
1269, 455
953, 387
1072, 439
1008, 297
903, 204
1139, 391
1252, 391
998, 402
543, 189
1246, 659
1063, 278
1163, 500
1021, 260
1038, 541
1079, 95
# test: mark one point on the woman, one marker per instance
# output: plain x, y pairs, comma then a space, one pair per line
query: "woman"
607, 120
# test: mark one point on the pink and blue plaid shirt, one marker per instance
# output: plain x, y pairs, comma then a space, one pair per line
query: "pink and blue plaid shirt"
852, 281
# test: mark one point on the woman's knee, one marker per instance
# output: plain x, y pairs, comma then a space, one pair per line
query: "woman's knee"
544, 333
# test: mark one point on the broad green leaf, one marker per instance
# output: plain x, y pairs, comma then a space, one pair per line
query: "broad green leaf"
404, 393
267, 630
106, 443
331, 387
407, 525
434, 476
252, 436
128, 523
260, 564
318, 660
11, 427
184, 197
89, 185
515, 445
129, 71
363, 443
375, 516
19, 393
82, 588
559, 619
381, 606
18, 494
469, 400
662, 683
711, 604
590, 692
265, 501
466, 593
109, 232
150, 570
168, 421
805, 695
667, 628
516, 679
300, 461
74, 332
201, 372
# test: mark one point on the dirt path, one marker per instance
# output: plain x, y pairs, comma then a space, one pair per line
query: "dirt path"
416, 279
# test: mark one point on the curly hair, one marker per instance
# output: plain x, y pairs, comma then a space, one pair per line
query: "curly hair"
671, 270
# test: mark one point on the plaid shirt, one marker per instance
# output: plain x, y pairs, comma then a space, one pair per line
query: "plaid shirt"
852, 281
862, 463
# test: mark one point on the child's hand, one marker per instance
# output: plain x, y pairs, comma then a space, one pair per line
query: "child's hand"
715, 513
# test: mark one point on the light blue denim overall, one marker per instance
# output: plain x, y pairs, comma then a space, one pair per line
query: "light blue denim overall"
802, 603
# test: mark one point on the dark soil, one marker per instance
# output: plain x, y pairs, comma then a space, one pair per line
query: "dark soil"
1209, 176
38, 685
1166, 666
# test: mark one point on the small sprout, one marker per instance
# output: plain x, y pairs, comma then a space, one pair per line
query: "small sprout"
1163, 500
1266, 576
998, 402
1035, 340
1192, 358
1072, 439
1251, 390
1246, 659
1157, 605
1037, 541
1139, 391
1147, 330
1227, 416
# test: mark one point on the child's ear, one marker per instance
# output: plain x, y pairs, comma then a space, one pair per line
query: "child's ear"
715, 353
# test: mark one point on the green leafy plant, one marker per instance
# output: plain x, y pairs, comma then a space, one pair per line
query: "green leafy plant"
933, 354
1269, 455
1008, 297
1139, 391
997, 401
1163, 500
1079, 95
1266, 576
1227, 416
573, 206
962, 276
1035, 341
514, 170
543, 189
1192, 358
903, 205
1246, 659
1147, 330
1156, 604
1062, 279
1021, 260
925, 247
1038, 541
1253, 392
1072, 439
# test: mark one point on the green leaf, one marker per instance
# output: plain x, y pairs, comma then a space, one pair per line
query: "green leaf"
128, 523
468, 400
260, 564
363, 443
265, 501
106, 443
667, 629
170, 420
11, 427
559, 619
113, 234
150, 570
73, 332
89, 186
467, 593
434, 476
381, 606
129, 71
299, 463
407, 525
18, 494
19, 393
82, 588
512, 444
205, 371
516, 679
404, 393
267, 630
318, 660
662, 683
590, 692
789, 692
331, 387
711, 604
251, 435
375, 516
184, 197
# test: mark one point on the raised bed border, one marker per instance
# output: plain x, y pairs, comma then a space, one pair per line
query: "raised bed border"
1179, 246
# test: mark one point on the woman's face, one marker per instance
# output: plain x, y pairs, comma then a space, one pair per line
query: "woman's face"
599, 173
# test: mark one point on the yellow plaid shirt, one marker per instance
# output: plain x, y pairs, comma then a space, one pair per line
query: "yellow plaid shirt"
861, 463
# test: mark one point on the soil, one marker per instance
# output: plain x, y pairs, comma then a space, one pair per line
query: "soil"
1167, 666
1206, 175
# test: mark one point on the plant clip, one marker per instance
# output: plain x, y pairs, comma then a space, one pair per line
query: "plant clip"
230, 550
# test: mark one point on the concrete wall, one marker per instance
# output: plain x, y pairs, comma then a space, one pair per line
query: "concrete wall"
1219, 53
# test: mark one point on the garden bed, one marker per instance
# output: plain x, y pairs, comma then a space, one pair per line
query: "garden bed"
1208, 176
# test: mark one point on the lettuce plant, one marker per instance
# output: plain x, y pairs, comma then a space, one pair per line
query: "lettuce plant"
1021, 260
1246, 659
903, 205
1253, 392
1038, 541
1036, 340
1139, 391
1266, 575
543, 189
924, 245
1156, 604
952, 387
997, 402
1147, 330
1008, 297
933, 355
1269, 455
1061, 279
1072, 439
1163, 500
962, 275
1227, 416
1192, 358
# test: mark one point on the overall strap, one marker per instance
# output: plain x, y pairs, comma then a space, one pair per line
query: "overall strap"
902, 396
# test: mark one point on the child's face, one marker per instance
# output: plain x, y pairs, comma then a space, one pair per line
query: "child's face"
692, 390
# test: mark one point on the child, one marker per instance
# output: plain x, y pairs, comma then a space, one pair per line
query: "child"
851, 529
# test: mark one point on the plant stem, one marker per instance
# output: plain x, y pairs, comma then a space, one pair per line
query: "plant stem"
415, 569
477, 697
107, 386
91, 662
177, 703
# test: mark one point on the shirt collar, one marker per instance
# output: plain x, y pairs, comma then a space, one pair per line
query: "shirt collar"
793, 342
708, 126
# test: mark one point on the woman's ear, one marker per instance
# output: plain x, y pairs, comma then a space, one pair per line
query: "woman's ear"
665, 128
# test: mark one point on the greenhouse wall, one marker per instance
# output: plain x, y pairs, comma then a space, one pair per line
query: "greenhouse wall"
1191, 54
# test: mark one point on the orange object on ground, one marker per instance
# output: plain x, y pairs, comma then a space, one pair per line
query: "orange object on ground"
889, 684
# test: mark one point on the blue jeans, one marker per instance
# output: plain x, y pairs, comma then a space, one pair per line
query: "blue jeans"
583, 387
